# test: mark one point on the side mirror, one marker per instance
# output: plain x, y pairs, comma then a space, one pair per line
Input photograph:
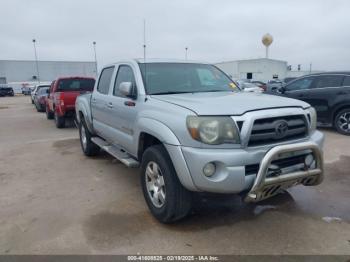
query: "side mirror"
127, 89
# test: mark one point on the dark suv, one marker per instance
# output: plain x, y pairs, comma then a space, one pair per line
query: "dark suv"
328, 93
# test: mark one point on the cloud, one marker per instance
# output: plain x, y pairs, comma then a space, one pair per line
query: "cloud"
303, 31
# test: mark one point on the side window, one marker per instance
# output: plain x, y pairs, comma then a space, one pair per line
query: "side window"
105, 80
125, 74
329, 81
300, 84
346, 81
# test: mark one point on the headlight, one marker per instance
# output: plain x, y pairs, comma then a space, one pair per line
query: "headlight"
313, 118
213, 130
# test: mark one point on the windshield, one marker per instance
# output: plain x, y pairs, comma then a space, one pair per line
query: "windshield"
172, 78
78, 84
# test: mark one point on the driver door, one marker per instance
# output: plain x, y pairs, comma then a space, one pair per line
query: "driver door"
300, 89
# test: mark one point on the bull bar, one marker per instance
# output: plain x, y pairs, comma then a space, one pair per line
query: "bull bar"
265, 187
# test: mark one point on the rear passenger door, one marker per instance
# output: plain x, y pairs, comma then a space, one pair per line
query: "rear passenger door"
100, 108
324, 94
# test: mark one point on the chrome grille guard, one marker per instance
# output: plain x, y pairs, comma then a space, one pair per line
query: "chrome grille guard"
261, 183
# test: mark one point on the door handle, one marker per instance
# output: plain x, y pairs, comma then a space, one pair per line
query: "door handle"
341, 93
110, 105
129, 103
93, 100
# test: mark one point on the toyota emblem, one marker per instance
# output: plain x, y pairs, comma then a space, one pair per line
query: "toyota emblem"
281, 128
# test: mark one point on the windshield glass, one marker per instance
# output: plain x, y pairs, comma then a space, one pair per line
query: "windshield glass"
78, 84
170, 78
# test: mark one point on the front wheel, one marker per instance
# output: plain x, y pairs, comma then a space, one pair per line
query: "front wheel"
165, 196
342, 122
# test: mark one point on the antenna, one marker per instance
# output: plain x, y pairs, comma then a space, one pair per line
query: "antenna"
144, 51
144, 40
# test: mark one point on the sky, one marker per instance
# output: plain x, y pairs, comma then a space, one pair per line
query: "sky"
304, 32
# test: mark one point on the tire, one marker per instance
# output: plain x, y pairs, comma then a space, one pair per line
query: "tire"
174, 202
88, 147
342, 122
60, 121
37, 108
49, 114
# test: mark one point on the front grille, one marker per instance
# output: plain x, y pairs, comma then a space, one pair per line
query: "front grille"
264, 130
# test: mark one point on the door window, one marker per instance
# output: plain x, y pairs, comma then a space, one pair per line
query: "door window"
125, 74
346, 81
328, 81
105, 80
301, 84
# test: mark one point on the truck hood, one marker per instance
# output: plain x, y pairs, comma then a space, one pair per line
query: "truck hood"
228, 103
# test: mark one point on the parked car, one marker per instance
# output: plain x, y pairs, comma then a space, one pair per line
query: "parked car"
40, 98
273, 85
60, 103
27, 90
35, 90
6, 91
190, 131
251, 87
260, 84
328, 93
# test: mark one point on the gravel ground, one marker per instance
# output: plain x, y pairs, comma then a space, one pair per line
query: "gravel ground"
54, 200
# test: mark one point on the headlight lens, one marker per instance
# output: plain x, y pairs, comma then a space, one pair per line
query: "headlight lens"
313, 118
213, 130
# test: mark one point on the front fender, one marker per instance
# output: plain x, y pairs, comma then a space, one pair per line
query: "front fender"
163, 133
157, 129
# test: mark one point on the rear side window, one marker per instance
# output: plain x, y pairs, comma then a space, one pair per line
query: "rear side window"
76, 84
105, 80
42, 90
346, 81
301, 84
329, 81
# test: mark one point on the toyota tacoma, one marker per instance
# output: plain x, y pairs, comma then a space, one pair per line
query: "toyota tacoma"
190, 129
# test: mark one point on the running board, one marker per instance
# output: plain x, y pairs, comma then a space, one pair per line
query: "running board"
117, 152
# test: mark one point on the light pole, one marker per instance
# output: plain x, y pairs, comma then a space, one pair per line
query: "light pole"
94, 43
186, 49
36, 61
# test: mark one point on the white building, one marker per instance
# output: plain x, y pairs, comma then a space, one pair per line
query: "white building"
18, 73
262, 69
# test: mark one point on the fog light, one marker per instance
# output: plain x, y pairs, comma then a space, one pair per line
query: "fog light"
309, 161
209, 169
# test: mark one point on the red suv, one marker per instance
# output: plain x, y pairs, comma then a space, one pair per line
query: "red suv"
63, 92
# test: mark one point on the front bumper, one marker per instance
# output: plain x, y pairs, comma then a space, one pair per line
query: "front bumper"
231, 175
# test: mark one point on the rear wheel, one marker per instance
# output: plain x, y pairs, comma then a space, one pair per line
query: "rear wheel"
165, 196
60, 121
88, 147
49, 114
342, 122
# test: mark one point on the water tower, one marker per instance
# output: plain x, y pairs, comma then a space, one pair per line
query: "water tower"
267, 40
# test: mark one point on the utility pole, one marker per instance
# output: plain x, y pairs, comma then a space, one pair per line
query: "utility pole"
36, 61
94, 44
310, 67
186, 49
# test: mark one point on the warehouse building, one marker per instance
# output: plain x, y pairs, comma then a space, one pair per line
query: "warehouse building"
19, 73
262, 69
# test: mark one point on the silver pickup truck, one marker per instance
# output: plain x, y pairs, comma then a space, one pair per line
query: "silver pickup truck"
190, 129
